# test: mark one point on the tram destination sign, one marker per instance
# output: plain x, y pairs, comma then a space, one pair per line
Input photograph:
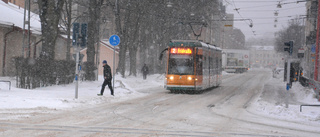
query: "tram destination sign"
181, 51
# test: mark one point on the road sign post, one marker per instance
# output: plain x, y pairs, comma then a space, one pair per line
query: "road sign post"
114, 40
289, 48
78, 39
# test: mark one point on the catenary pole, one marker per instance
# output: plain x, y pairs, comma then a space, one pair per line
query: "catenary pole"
29, 47
114, 66
23, 29
316, 73
77, 70
114, 56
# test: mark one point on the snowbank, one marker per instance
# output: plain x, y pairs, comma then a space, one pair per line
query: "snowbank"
270, 106
63, 96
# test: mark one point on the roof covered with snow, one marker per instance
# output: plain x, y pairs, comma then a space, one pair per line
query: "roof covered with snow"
13, 15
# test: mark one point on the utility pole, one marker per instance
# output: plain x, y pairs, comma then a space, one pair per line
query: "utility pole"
316, 73
29, 47
26, 21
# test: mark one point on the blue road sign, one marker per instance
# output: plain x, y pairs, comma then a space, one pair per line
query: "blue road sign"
114, 40
313, 48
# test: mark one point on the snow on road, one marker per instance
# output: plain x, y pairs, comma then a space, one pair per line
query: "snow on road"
61, 97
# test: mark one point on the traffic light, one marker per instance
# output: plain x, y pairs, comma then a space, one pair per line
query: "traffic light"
83, 34
289, 48
75, 31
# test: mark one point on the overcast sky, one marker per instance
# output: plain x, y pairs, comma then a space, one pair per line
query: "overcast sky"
261, 12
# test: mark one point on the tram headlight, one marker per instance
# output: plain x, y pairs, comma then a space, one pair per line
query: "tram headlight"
189, 78
171, 78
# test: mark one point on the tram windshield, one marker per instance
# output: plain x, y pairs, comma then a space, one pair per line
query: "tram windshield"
181, 65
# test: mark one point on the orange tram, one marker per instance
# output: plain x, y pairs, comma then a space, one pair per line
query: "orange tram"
192, 66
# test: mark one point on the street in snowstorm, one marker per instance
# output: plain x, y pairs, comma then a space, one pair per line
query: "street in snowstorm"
235, 108
96, 68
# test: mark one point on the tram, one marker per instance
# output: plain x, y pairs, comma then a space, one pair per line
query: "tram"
192, 65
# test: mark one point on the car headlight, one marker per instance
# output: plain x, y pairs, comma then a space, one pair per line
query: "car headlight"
189, 78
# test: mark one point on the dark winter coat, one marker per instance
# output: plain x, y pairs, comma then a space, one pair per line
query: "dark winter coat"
145, 70
107, 72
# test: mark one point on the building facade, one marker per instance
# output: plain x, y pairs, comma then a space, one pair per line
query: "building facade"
106, 54
11, 38
308, 62
265, 57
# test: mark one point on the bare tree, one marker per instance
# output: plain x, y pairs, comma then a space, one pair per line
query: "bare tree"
50, 12
121, 31
149, 25
93, 34
66, 21
294, 32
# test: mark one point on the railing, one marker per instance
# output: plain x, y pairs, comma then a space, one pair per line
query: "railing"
304, 81
8, 82
309, 106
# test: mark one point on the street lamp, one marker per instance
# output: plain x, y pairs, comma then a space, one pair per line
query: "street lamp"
104, 20
279, 5
250, 25
276, 13
169, 4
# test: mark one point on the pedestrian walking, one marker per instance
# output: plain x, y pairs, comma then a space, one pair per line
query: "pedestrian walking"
107, 78
145, 71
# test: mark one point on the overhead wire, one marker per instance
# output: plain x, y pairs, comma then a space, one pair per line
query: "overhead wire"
279, 17
250, 24
272, 10
251, 9
261, 0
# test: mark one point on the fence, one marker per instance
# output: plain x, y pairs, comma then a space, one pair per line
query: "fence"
8, 82
308, 106
304, 81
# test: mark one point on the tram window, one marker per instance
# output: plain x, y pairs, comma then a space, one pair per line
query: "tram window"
199, 65
180, 65
211, 63
217, 62
205, 63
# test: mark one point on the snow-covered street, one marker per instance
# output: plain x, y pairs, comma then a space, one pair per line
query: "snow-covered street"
248, 104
